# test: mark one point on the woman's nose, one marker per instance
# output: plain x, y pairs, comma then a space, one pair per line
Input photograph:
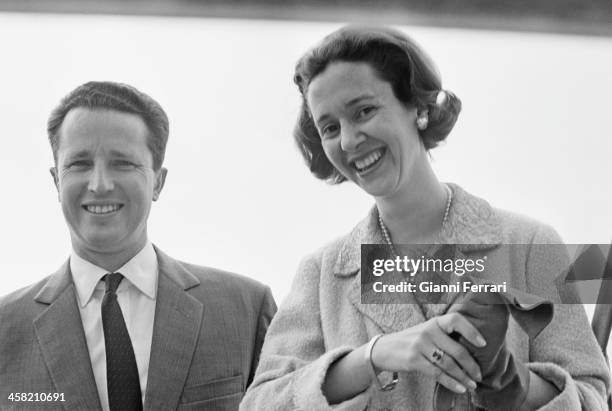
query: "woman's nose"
100, 180
351, 137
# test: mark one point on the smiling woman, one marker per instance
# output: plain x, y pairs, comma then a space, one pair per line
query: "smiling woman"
364, 105
372, 108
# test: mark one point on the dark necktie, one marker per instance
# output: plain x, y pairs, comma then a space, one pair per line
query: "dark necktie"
121, 372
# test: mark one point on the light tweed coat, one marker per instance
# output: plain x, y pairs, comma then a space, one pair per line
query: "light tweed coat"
322, 318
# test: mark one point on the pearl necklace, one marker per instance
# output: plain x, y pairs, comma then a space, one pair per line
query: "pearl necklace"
444, 219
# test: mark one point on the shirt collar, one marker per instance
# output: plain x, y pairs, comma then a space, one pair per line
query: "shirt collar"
141, 271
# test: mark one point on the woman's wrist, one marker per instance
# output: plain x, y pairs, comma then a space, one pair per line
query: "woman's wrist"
372, 359
373, 369
347, 376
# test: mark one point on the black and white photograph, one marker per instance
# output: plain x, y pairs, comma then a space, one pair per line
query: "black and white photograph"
268, 205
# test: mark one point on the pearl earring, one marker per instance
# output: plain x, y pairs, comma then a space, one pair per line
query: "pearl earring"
441, 98
422, 121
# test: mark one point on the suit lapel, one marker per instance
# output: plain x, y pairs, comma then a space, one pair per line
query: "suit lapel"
63, 345
178, 318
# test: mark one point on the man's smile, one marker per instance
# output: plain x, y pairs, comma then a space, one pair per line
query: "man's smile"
100, 209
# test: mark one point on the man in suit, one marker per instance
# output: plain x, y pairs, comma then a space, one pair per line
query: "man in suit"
121, 325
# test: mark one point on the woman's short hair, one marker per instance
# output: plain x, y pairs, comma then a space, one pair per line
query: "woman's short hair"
396, 59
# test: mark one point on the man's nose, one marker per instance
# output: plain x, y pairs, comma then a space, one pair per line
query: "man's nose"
351, 137
100, 180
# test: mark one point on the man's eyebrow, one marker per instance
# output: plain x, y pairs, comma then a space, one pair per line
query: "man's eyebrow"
120, 154
78, 154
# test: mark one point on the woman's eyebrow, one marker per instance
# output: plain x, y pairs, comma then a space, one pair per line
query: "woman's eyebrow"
347, 104
321, 119
356, 100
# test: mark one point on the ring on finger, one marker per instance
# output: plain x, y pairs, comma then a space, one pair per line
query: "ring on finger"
437, 355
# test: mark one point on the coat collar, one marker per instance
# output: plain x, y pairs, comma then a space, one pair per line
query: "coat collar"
62, 279
472, 223
175, 271
55, 285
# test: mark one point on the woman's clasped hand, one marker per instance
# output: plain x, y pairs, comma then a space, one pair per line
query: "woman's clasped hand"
428, 348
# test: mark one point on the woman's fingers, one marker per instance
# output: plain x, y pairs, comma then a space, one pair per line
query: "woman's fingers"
455, 322
446, 380
428, 347
462, 358
445, 362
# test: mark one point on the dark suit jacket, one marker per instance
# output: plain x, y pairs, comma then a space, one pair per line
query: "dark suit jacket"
208, 331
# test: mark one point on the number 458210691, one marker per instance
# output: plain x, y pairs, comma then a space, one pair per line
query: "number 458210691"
36, 396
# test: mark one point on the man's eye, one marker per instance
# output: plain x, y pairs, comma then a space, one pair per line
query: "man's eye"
124, 164
78, 164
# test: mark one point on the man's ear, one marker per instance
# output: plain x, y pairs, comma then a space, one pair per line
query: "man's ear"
53, 171
160, 180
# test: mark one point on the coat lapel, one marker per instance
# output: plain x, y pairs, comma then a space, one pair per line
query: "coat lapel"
472, 225
388, 315
178, 317
62, 342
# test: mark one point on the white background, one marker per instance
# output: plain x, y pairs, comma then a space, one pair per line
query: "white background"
534, 136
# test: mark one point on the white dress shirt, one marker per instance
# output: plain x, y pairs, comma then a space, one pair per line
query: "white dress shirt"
136, 295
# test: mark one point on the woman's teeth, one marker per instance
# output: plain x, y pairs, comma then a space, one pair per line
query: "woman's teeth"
366, 163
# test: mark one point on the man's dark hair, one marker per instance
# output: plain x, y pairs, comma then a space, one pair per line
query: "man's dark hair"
107, 95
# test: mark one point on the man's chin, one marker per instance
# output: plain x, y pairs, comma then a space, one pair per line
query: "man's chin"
100, 244
108, 241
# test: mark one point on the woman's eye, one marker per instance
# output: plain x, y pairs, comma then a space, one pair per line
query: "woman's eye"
329, 130
365, 112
